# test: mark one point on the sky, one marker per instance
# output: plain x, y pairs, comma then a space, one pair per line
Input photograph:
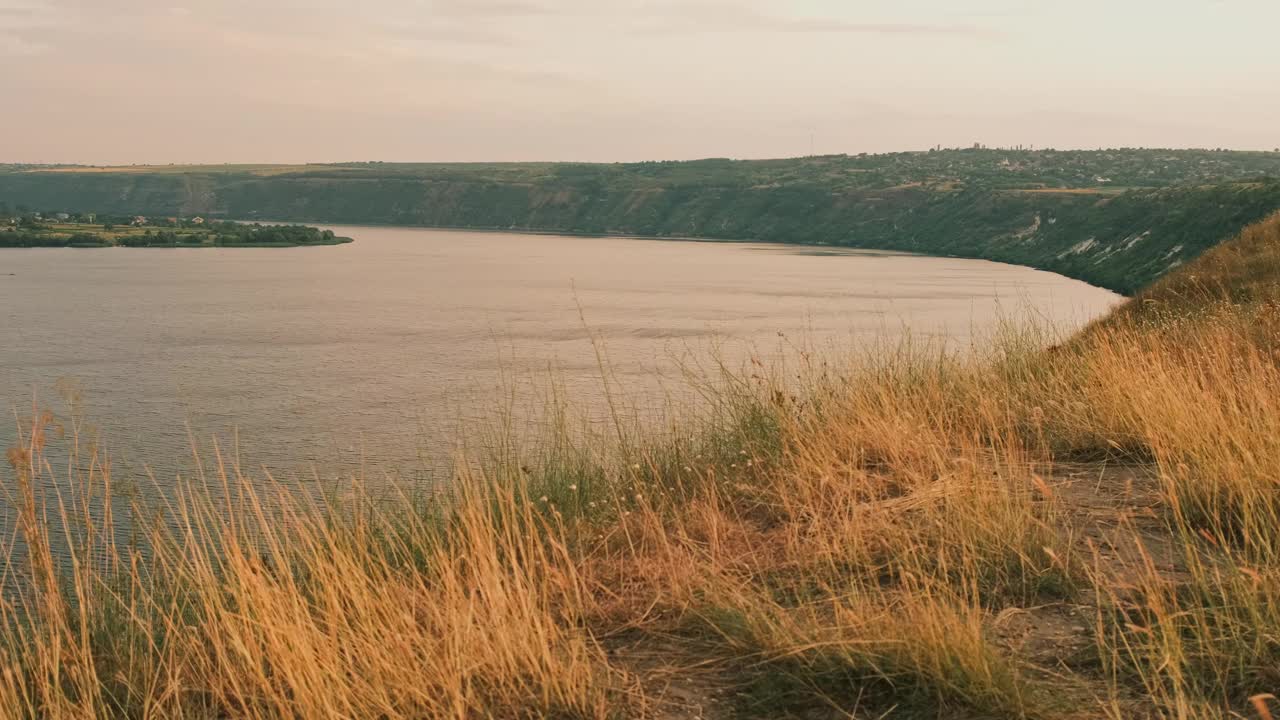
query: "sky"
290, 81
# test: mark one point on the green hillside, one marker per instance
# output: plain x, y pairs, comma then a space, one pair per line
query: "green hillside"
1115, 218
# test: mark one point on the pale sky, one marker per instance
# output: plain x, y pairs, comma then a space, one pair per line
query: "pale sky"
158, 81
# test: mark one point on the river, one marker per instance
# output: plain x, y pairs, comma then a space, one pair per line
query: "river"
365, 357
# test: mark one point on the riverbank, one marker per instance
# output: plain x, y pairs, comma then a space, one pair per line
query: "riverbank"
1089, 531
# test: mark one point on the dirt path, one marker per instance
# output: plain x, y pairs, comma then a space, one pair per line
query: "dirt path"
1113, 517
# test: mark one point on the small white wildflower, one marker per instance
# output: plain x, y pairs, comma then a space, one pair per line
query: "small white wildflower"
542, 499
573, 488
688, 469
591, 504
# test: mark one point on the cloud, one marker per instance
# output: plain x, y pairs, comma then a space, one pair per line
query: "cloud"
407, 27
731, 17
23, 26
490, 8
15, 45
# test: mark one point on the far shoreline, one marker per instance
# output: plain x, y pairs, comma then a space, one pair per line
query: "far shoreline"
678, 238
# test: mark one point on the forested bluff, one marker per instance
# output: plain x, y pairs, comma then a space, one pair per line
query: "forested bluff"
1114, 218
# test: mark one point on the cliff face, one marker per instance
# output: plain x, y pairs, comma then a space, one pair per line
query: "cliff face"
1121, 241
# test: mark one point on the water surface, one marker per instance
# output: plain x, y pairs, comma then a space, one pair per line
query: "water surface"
366, 355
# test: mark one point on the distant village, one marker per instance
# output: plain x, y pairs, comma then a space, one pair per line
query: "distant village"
11, 220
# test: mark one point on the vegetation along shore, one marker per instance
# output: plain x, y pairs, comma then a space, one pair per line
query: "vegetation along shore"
1087, 531
25, 229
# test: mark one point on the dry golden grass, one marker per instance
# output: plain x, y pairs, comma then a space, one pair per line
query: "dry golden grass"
1089, 531
265, 607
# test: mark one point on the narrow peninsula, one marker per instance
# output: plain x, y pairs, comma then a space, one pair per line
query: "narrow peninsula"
28, 229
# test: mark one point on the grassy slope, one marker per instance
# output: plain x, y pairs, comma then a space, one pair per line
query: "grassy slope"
1087, 532
1043, 209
